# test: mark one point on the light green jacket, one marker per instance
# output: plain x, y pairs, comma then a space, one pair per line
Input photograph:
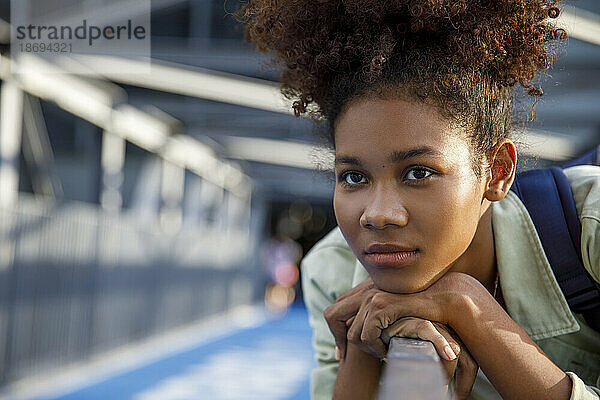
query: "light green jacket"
532, 295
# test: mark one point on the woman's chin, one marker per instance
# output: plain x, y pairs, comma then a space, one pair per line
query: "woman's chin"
397, 284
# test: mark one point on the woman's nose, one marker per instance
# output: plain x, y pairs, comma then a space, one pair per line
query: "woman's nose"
384, 210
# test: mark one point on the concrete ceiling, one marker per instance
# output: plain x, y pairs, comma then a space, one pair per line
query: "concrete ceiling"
570, 107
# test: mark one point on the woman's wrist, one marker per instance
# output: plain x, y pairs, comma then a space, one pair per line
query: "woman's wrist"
358, 375
470, 304
522, 370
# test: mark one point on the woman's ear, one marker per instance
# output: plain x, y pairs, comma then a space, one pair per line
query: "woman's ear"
503, 163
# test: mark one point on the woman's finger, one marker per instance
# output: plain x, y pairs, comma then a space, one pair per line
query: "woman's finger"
366, 285
339, 315
466, 372
336, 317
382, 314
422, 329
354, 331
350, 322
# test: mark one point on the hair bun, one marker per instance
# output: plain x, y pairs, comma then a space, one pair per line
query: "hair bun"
319, 42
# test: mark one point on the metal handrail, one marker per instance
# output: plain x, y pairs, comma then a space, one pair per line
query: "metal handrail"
413, 371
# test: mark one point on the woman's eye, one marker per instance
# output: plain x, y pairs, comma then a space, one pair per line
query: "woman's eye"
418, 173
353, 178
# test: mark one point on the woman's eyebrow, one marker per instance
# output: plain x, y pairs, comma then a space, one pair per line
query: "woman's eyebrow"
347, 160
396, 156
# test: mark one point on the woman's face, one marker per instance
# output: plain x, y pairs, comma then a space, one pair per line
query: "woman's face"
406, 196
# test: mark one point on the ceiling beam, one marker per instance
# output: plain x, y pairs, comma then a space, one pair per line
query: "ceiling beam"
580, 24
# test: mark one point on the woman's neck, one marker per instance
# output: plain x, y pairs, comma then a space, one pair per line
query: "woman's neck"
479, 260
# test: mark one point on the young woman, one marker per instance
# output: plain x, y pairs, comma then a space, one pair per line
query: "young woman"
431, 244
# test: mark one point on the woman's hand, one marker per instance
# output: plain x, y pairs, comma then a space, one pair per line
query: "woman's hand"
523, 371
374, 310
362, 367
350, 318
455, 358
339, 316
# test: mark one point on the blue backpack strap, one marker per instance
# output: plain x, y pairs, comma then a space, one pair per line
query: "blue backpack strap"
547, 195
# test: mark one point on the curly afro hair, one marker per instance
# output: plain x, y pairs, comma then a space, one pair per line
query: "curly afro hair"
461, 56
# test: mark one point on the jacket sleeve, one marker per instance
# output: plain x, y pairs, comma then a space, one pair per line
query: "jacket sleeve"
581, 391
326, 273
585, 184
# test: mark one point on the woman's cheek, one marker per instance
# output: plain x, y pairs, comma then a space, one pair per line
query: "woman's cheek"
462, 220
348, 209
450, 219
345, 210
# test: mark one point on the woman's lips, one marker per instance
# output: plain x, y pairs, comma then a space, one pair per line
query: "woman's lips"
397, 259
390, 255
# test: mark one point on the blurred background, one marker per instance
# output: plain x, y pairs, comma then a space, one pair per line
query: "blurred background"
152, 224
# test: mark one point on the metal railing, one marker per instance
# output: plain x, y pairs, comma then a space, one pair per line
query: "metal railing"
83, 281
77, 279
413, 371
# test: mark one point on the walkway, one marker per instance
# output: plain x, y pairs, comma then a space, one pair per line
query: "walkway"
271, 361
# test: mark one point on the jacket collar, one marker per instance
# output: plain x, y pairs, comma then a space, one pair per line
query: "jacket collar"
531, 293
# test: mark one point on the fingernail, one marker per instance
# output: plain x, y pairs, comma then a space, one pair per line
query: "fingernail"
449, 353
338, 354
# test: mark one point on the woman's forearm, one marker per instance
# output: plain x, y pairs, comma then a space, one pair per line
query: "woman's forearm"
510, 359
358, 375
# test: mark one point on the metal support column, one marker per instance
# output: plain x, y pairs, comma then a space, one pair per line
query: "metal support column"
11, 124
112, 162
172, 186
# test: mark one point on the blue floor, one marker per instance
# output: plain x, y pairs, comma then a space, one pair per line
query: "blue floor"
269, 362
